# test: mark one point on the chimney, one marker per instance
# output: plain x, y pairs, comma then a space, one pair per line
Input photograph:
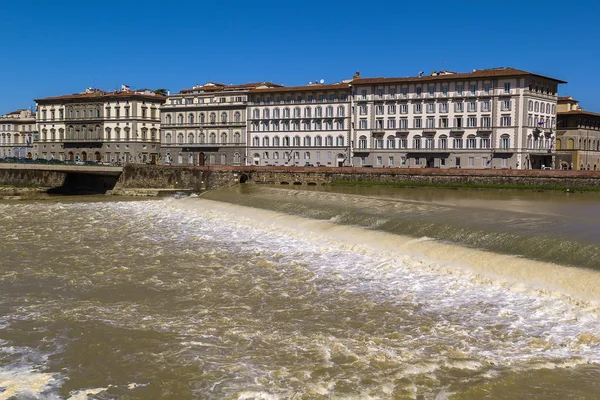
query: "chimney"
357, 75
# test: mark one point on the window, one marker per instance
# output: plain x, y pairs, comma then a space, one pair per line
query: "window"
307, 141
506, 105
458, 107
472, 122
504, 142
443, 122
318, 141
429, 143
505, 120
223, 118
213, 118
391, 142
471, 106
340, 111
391, 123
379, 110
486, 122
459, 89
430, 108
362, 142
362, 110
403, 108
329, 141
507, 87
430, 123
471, 162
392, 109
379, 143
417, 142
362, 124
431, 90
307, 112
379, 160
485, 105
190, 138
236, 138
276, 141
256, 141
296, 141
443, 108
379, 124
318, 112
329, 111
213, 138
417, 123
403, 123
458, 122
363, 94
473, 88
486, 88
339, 141
417, 108
471, 142
445, 90
458, 143
286, 113
265, 141
443, 142
530, 105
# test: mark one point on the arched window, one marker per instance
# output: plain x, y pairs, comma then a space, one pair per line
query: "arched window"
471, 142
201, 118
256, 113
548, 108
223, 137
224, 118
190, 138
504, 142
307, 155
168, 138
180, 138
236, 117
340, 141
255, 141
307, 112
180, 119
296, 140
127, 134
318, 112
417, 142
223, 159
117, 133
318, 141
329, 111
213, 118
266, 113
275, 155
276, 141
340, 112
276, 113
265, 141
362, 142
286, 112
201, 138
391, 142
537, 106
297, 112
542, 107
191, 119
329, 141
213, 138
530, 106
286, 141
168, 119
236, 158
236, 138
307, 140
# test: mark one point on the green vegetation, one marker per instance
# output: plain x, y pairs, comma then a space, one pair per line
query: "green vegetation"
449, 185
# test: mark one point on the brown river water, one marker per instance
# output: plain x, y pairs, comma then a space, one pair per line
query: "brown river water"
329, 293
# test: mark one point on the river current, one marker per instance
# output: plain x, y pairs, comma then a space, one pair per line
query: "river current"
269, 293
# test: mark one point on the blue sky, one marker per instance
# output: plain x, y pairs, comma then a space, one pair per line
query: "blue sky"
55, 48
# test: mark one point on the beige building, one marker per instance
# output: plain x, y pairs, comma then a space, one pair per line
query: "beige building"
206, 125
17, 134
113, 127
578, 137
494, 118
302, 125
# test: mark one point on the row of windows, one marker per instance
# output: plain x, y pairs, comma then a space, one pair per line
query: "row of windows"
431, 89
316, 125
6, 139
95, 113
193, 159
202, 119
541, 107
430, 108
24, 128
442, 122
288, 156
202, 100
545, 122
418, 142
201, 138
295, 141
308, 111
308, 98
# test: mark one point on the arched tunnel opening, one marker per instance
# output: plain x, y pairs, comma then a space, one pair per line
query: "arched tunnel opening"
244, 178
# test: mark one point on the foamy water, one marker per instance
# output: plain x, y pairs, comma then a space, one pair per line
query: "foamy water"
195, 298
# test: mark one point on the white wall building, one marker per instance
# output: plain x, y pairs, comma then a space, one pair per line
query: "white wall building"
116, 127
494, 118
302, 125
17, 132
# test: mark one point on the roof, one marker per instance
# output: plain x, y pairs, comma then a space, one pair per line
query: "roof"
213, 87
579, 112
476, 74
307, 88
567, 99
101, 95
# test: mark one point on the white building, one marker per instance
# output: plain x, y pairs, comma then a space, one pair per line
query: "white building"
17, 132
117, 127
494, 118
302, 125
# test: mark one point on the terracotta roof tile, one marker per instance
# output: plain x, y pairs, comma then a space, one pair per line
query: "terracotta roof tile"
307, 88
579, 112
102, 95
477, 74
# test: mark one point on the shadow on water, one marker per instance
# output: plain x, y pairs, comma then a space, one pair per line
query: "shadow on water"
551, 227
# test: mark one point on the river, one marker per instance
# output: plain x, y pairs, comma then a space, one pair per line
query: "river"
260, 292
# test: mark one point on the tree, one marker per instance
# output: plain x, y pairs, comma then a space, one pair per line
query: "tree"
161, 91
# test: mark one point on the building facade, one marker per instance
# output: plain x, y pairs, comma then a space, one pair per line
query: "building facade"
578, 137
495, 118
302, 125
17, 134
113, 127
206, 125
